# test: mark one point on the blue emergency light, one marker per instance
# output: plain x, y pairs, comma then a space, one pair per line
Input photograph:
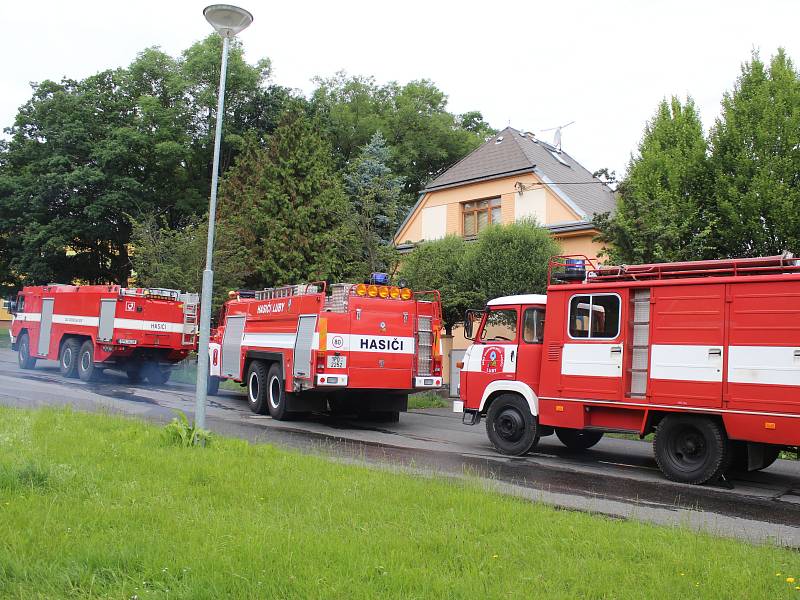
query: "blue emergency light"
379, 278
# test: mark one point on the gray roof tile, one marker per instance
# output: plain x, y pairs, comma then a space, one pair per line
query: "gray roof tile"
518, 153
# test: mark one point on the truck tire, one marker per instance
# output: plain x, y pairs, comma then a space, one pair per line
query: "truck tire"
86, 369
26, 361
213, 385
68, 359
691, 449
134, 372
578, 439
276, 395
257, 387
155, 374
511, 427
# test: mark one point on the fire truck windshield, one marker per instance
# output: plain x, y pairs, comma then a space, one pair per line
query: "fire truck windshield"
500, 325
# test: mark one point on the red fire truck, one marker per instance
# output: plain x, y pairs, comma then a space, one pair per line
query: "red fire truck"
348, 349
92, 327
704, 354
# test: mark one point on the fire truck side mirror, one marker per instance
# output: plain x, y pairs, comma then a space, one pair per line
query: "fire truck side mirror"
470, 318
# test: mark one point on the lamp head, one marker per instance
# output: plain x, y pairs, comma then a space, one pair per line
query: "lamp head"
226, 19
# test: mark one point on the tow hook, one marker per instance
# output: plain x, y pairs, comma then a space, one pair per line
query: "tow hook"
471, 417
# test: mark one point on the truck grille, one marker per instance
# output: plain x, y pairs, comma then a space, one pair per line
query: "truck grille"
424, 346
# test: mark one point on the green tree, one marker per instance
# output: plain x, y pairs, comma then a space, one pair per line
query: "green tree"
284, 203
375, 197
509, 259
439, 265
663, 212
755, 154
423, 136
162, 256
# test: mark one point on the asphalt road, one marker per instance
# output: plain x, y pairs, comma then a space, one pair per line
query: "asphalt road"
617, 477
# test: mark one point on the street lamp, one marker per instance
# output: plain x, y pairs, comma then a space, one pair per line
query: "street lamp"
227, 20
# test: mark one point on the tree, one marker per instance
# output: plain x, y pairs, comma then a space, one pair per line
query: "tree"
423, 136
284, 203
162, 256
663, 212
756, 161
374, 209
439, 265
509, 259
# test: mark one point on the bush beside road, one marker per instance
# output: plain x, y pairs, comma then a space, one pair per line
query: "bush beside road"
98, 506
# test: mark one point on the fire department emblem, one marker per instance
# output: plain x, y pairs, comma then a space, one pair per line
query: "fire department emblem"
130, 306
492, 359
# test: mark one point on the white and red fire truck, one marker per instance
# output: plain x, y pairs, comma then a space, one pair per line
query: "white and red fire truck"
348, 349
705, 354
92, 327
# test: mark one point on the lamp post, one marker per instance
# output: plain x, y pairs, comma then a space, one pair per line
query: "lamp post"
228, 21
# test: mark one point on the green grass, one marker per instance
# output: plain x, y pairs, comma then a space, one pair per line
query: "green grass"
101, 507
5, 341
427, 400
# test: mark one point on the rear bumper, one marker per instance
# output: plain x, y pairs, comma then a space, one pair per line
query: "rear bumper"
428, 382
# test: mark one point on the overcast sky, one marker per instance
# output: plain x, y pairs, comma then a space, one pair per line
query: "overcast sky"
533, 65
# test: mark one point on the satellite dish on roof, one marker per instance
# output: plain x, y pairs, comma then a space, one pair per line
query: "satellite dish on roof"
557, 134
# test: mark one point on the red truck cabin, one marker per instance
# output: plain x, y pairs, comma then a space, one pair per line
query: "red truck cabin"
691, 351
348, 349
88, 328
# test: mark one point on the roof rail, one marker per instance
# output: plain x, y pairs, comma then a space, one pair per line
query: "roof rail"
570, 269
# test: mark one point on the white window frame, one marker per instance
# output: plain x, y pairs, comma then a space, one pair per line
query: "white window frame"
591, 304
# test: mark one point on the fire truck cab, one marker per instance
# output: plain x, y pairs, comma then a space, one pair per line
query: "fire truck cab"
141, 331
346, 348
705, 354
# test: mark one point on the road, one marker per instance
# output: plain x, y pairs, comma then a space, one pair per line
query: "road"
617, 478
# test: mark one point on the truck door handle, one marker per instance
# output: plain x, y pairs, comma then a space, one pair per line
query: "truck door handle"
512, 355
715, 352
616, 349
797, 353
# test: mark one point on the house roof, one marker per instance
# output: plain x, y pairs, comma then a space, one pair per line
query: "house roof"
512, 152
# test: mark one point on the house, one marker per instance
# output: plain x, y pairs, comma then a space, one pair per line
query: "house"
511, 176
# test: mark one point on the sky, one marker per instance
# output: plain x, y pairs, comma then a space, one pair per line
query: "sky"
533, 65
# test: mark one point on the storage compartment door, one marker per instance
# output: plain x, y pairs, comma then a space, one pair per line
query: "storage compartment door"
105, 331
46, 324
306, 326
232, 347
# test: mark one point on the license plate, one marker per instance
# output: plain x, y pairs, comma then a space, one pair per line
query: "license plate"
337, 362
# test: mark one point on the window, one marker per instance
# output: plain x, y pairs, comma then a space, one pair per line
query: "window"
596, 316
20, 303
500, 326
533, 325
480, 213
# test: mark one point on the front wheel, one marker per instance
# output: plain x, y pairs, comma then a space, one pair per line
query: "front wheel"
511, 427
691, 449
26, 361
578, 439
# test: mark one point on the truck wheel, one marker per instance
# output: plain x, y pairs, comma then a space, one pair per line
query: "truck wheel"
257, 387
134, 373
578, 439
511, 427
68, 361
213, 385
691, 449
26, 361
86, 369
276, 394
155, 374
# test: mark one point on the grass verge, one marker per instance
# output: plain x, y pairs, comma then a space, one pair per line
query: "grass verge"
5, 341
427, 400
93, 506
